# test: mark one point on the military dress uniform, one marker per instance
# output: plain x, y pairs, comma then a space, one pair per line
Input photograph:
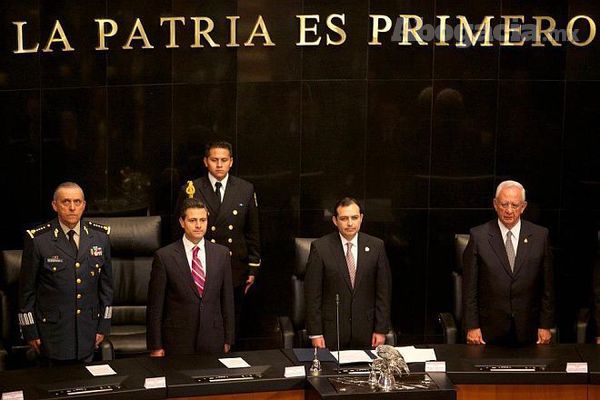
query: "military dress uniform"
233, 223
66, 294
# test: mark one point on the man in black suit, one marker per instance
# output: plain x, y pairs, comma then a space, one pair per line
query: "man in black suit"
190, 296
354, 267
508, 294
232, 215
66, 285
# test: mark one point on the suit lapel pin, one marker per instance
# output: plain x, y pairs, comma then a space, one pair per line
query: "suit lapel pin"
56, 233
234, 212
525, 240
367, 249
86, 230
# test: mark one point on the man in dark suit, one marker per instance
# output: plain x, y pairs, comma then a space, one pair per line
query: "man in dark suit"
66, 285
508, 294
354, 267
190, 295
232, 212
232, 217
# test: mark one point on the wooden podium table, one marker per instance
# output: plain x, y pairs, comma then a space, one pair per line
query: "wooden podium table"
492, 373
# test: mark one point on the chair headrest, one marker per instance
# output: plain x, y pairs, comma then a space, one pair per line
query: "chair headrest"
137, 236
10, 267
460, 243
302, 248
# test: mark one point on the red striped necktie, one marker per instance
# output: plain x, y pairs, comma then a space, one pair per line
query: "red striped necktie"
198, 271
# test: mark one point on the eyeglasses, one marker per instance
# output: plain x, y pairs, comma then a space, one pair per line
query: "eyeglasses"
512, 206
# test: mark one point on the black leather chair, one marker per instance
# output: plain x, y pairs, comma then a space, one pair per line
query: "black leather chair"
293, 327
133, 243
451, 322
12, 347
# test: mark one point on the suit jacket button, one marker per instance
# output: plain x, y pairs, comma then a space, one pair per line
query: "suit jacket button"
54, 269
78, 295
234, 212
92, 272
230, 227
78, 311
77, 265
43, 319
78, 280
213, 228
213, 241
230, 240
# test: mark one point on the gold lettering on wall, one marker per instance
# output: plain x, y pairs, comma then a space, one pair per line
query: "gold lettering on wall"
58, 36
103, 34
509, 29
306, 28
20, 46
570, 26
337, 29
408, 29
547, 32
376, 29
233, 31
442, 30
140, 35
172, 30
203, 33
413, 30
484, 28
260, 30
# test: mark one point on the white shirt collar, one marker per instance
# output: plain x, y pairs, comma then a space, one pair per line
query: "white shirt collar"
188, 245
354, 241
515, 230
214, 180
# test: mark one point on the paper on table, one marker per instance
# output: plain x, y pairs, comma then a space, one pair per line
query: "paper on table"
155, 383
352, 356
412, 354
291, 372
234, 362
18, 395
101, 370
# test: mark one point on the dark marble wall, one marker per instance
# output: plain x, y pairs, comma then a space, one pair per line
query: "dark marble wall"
421, 134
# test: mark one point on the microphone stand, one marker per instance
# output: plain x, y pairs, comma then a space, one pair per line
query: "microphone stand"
337, 328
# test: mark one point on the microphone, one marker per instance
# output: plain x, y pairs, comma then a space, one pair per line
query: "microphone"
337, 328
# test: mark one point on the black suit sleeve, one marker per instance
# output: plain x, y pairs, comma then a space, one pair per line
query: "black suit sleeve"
470, 285
313, 292
383, 293
156, 300
105, 292
547, 309
227, 308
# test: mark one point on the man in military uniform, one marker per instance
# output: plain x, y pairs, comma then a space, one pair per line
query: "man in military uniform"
232, 216
66, 282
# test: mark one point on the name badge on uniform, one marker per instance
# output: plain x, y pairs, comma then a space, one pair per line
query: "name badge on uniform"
96, 251
54, 259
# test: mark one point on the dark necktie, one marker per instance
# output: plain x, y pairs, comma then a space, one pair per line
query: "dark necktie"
351, 264
71, 235
510, 250
218, 191
197, 271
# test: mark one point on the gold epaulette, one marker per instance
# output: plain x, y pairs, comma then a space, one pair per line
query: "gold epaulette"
190, 189
40, 229
99, 227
